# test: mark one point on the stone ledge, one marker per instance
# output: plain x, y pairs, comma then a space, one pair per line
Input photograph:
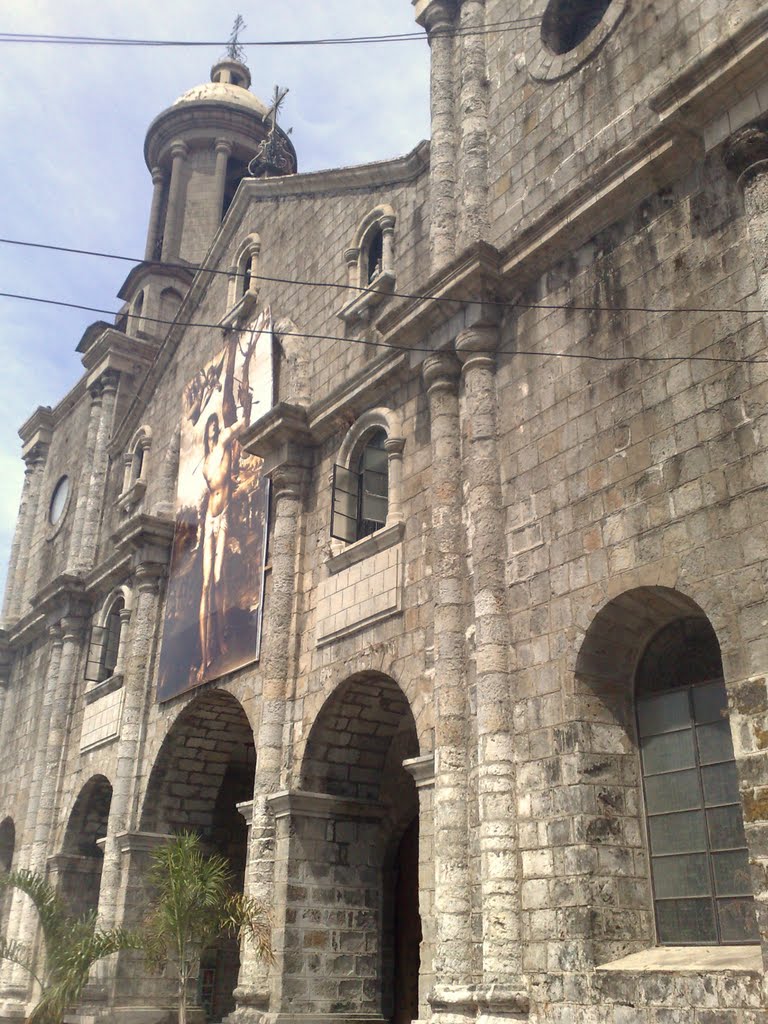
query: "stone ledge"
103, 688
690, 959
359, 550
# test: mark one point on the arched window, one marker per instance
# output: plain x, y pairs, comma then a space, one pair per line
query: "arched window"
366, 480
135, 462
243, 275
104, 653
370, 263
698, 852
567, 23
170, 304
136, 319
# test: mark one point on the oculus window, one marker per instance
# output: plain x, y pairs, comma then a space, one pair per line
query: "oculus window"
697, 846
58, 500
567, 23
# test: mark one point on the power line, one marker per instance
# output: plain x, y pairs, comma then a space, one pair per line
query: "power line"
392, 37
410, 348
418, 296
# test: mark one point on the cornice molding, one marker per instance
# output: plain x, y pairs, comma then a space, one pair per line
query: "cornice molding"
360, 392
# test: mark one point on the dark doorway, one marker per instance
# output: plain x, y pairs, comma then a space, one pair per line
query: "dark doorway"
407, 927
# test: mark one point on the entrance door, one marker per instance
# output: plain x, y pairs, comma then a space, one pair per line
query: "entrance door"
407, 927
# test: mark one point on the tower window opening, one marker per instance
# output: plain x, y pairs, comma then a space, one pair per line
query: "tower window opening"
375, 256
567, 23
361, 494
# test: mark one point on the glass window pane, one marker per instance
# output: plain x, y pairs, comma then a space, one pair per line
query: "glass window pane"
668, 753
666, 713
737, 921
721, 783
731, 870
710, 703
374, 508
686, 921
682, 876
677, 833
726, 827
677, 791
714, 742
375, 461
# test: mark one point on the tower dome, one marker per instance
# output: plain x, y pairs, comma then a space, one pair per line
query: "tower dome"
198, 151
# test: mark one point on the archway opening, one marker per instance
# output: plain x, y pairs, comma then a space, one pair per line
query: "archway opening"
7, 848
368, 853
205, 768
82, 854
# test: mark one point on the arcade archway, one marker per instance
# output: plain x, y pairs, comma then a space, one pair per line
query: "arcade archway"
355, 826
205, 768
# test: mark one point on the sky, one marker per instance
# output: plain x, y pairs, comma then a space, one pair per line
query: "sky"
74, 119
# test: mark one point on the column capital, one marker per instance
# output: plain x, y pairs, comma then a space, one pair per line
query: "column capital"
288, 480
56, 634
158, 176
179, 148
72, 628
746, 152
477, 345
223, 146
148, 576
441, 372
435, 15
35, 456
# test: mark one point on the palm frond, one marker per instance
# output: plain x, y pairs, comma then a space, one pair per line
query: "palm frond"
18, 953
48, 904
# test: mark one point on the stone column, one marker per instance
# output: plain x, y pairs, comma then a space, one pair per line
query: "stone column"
85, 554
175, 209
437, 16
61, 680
455, 958
83, 481
223, 153
288, 482
136, 683
473, 103
18, 583
169, 472
153, 230
387, 225
497, 805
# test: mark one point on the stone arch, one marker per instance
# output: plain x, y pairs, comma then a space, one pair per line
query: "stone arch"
170, 304
80, 861
7, 851
203, 771
353, 778
244, 273
599, 760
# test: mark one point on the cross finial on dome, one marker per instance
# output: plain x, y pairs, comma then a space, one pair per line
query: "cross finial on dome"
234, 50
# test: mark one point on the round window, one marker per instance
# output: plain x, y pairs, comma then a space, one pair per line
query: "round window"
567, 23
59, 500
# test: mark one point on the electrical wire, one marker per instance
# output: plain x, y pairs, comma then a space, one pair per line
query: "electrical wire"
418, 296
410, 348
392, 37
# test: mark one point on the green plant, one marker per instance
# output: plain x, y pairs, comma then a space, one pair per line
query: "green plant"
72, 947
193, 904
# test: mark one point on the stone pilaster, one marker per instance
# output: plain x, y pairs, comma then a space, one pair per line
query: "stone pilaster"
175, 209
136, 694
84, 555
153, 230
437, 17
497, 805
19, 584
455, 958
473, 143
746, 156
66, 647
223, 153
285, 443
82, 492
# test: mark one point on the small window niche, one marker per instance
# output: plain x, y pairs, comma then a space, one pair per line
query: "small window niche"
370, 264
243, 293
366, 510
135, 463
106, 650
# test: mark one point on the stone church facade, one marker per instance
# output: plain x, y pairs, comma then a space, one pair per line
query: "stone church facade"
481, 711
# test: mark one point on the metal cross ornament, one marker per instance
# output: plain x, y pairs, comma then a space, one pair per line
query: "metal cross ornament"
234, 50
